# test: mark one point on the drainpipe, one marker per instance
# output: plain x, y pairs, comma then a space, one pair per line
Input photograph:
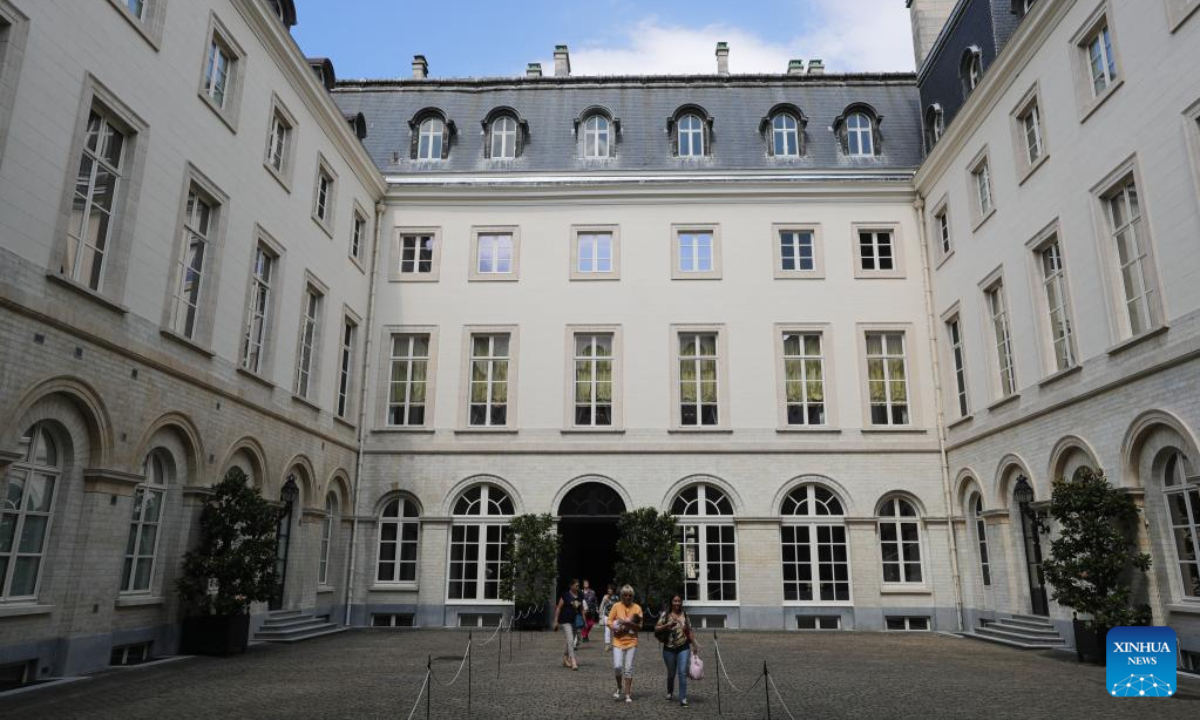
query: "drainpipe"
919, 208
368, 351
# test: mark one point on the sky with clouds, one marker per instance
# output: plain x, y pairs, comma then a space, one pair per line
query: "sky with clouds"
377, 38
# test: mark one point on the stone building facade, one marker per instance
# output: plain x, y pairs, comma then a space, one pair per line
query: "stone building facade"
435, 304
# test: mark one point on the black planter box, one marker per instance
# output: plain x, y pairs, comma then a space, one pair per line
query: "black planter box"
215, 634
1090, 644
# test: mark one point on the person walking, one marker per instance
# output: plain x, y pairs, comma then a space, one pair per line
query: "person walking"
610, 599
590, 608
675, 632
625, 619
568, 608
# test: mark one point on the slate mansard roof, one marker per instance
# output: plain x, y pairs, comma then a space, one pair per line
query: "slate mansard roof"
643, 104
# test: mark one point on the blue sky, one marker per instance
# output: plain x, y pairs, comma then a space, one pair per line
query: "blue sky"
377, 38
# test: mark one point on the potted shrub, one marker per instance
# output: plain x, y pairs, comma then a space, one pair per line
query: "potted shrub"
233, 567
649, 559
1089, 563
528, 577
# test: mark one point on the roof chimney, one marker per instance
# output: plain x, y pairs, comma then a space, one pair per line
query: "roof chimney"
420, 67
723, 59
795, 67
816, 67
533, 70
562, 61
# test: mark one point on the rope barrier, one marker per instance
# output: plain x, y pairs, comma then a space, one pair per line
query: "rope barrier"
419, 696
781, 702
461, 665
496, 632
721, 666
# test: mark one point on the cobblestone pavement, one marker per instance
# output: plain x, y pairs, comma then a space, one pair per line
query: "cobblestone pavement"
378, 673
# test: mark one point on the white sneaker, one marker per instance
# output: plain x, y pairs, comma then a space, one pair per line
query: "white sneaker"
683, 703
670, 697
617, 696
628, 699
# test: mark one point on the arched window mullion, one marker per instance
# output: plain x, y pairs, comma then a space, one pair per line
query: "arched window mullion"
398, 542
708, 545
28, 508
814, 548
1182, 499
900, 542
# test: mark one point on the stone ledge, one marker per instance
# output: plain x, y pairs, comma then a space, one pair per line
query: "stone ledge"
138, 601
25, 610
113, 482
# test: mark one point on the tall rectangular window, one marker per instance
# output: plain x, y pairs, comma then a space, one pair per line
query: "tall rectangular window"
488, 404
695, 252
1133, 256
358, 234
197, 224
1102, 63
595, 253
698, 391
346, 367
954, 332
1054, 284
796, 250
804, 378
279, 141
942, 222
876, 251
324, 191
998, 314
1031, 126
594, 358
495, 254
309, 321
94, 200
407, 380
416, 254
254, 340
982, 175
887, 378
217, 66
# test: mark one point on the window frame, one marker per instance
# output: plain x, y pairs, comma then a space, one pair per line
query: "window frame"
617, 359
818, 251
982, 547
898, 270
510, 415
313, 287
149, 25
1191, 121
871, 131
138, 522
514, 274
678, 229
235, 75
723, 390
359, 216
971, 70
482, 521
701, 522
1037, 246
403, 499
813, 521
279, 111
14, 35
614, 231
1002, 355
325, 171
326, 540
825, 332
396, 271
1029, 104
799, 122
346, 401
911, 381
266, 355
917, 519
980, 168
610, 131
959, 375
942, 233
210, 277
1186, 486
27, 461
384, 375
1088, 99
516, 132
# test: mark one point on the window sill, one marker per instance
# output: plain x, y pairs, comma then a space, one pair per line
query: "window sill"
818, 604
700, 431
485, 431
300, 399
187, 342
1137, 340
893, 431
905, 590
480, 603
860, 274
683, 275
139, 25
1094, 104
1007, 399
799, 275
1176, 20
22, 610
87, 292
325, 225
1186, 607
499, 277
593, 431
1029, 170
595, 277
942, 260
428, 277
403, 431
127, 601
1064, 373
344, 422
961, 421
979, 223
279, 176
357, 262
256, 377
808, 430
224, 113
397, 587
324, 589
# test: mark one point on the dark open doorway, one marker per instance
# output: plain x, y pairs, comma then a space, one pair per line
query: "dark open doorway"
588, 535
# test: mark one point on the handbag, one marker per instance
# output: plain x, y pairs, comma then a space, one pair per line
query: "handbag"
696, 667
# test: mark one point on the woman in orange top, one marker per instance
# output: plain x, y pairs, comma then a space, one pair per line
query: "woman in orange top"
624, 620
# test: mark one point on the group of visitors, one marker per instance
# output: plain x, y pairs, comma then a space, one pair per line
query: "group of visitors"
578, 612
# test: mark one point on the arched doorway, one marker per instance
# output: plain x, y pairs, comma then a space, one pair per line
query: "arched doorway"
283, 539
1033, 526
587, 530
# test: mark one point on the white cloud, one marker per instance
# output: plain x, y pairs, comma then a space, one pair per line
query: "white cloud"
866, 35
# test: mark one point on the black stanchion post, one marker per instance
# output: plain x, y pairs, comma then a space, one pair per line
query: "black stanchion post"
500, 650
429, 685
510, 628
470, 652
767, 687
718, 657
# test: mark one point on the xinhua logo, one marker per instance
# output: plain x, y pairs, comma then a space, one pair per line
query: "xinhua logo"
1141, 661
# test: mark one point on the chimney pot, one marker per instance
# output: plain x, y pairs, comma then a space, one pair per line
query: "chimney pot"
562, 61
795, 67
723, 58
533, 70
816, 67
420, 67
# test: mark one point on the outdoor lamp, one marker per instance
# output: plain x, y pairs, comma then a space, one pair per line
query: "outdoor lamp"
1023, 493
290, 492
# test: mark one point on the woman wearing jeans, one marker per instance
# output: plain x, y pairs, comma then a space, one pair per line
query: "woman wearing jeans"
564, 614
678, 647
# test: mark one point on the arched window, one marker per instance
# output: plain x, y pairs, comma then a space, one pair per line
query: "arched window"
816, 559
900, 541
707, 543
785, 135
985, 567
142, 546
691, 136
327, 525
28, 502
935, 125
479, 543
399, 531
1183, 509
860, 135
503, 141
431, 135
972, 70
596, 137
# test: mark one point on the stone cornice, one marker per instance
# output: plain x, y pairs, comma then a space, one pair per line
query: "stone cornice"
112, 482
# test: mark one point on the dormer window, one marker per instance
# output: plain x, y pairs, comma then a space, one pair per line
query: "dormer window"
691, 132
504, 138
859, 135
972, 70
431, 134
785, 136
596, 137
935, 126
